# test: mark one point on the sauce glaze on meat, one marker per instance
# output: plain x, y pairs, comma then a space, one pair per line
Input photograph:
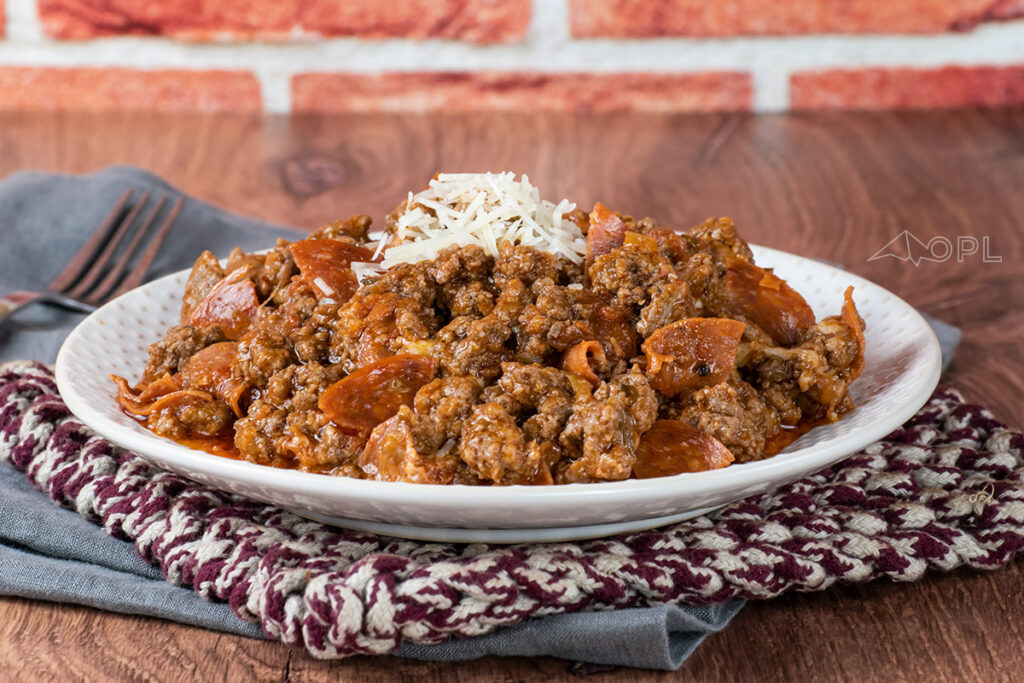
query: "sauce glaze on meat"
661, 353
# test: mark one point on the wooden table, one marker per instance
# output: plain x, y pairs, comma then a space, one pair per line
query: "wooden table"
831, 186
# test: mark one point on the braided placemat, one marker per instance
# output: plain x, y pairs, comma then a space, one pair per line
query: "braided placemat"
942, 491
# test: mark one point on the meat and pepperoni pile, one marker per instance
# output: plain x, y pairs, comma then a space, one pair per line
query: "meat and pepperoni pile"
658, 353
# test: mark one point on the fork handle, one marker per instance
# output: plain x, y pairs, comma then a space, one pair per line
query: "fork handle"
9, 303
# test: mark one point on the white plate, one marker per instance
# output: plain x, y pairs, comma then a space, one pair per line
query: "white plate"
902, 368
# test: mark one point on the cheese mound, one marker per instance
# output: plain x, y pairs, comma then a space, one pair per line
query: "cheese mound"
486, 209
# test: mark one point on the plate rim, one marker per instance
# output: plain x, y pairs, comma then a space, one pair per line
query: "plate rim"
783, 466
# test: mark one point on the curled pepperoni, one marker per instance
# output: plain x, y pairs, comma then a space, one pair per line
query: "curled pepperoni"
155, 396
673, 447
582, 358
856, 325
767, 301
326, 266
370, 395
210, 370
606, 232
692, 353
231, 305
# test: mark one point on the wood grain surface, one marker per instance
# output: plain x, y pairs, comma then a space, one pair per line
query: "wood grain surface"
830, 186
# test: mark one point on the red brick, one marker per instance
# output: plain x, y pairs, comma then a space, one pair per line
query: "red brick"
492, 91
908, 88
653, 18
481, 21
45, 88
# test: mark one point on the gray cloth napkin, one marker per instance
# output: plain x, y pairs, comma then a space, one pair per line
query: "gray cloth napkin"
49, 553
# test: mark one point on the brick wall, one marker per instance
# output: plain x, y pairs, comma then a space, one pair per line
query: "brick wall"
522, 55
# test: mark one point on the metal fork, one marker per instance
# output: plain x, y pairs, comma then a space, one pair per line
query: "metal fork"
105, 266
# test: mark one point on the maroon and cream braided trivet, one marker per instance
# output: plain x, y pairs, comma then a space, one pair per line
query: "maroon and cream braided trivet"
942, 491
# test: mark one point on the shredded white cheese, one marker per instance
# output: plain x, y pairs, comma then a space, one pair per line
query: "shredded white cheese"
365, 270
486, 209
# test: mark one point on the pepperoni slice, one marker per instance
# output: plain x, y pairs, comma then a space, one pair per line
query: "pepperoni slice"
390, 455
767, 301
582, 358
673, 447
370, 395
210, 370
606, 232
326, 266
692, 353
231, 305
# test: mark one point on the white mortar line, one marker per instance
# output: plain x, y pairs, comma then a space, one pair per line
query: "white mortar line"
275, 90
22, 21
996, 44
771, 88
549, 25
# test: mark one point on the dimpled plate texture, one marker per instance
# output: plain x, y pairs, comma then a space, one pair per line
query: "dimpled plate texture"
902, 368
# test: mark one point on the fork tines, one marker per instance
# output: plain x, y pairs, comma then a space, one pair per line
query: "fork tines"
109, 263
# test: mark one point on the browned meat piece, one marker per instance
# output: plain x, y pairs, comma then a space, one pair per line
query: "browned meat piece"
440, 408
206, 272
353, 229
463, 275
192, 418
718, 237
668, 304
603, 432
477, 346
410, 280
278, 270
540, 397
733, 413
473, 346
628, 275
495, 448
311, 340
285, 424
263, 352
181, 342
673, 245
557, 319
299, 329
526, 264
372, 326
815, 376
698, 271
